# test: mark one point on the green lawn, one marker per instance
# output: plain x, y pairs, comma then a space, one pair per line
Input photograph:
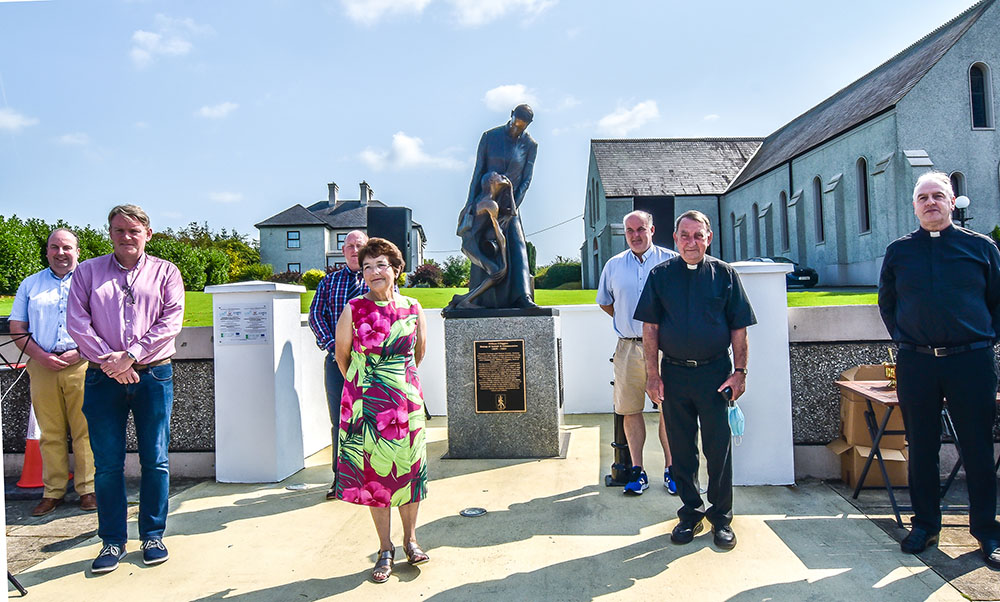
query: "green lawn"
198, 308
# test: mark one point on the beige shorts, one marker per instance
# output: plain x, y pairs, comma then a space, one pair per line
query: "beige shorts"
630, 377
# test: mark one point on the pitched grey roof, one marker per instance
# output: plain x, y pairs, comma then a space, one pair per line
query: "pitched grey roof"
670, 166
343, 215
296, 215
874, 93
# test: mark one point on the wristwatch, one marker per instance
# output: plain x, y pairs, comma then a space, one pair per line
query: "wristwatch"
743, 370
132, 357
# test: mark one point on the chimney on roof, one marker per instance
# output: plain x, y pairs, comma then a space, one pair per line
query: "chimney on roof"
334, 189
366, 193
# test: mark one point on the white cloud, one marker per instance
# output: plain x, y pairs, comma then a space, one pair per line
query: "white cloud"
505, 98
141, 125
710, 117
74, 139
168, 38
13, 121
369, 12
569, 102
226, 197
474, 13
406, 152
217, 111
623, 120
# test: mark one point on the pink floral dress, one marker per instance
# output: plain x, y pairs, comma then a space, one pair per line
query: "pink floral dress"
383, 454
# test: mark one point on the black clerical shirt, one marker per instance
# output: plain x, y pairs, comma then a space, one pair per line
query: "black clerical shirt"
695, 308
941, 291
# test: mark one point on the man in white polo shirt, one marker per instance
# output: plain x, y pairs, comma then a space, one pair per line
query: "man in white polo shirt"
57, 373
622, 280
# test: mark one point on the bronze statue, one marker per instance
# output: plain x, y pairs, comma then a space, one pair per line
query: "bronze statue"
490, 225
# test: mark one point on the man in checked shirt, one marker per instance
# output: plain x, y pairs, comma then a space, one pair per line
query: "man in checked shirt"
125, 309
332, 294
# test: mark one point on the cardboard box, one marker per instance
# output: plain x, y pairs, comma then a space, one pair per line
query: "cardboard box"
853, 458
852, 420
853, 406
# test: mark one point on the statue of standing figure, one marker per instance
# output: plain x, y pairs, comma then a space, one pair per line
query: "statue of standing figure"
489, 224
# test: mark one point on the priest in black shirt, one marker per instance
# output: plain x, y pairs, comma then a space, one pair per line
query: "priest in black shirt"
939, 296
693, 308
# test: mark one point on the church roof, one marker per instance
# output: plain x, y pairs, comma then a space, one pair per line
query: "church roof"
867, 97
670, 166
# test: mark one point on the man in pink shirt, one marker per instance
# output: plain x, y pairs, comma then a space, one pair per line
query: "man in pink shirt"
124, 311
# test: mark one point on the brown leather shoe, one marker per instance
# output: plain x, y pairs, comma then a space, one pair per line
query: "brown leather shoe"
48, 504
88, 502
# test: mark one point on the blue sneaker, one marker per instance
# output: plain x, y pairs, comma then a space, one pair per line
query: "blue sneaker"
108, 559
639, 482
153, 552
668, 482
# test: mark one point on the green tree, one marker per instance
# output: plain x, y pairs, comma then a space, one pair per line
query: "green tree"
532, 254
456, 271
19, 256
191, 262
93, 242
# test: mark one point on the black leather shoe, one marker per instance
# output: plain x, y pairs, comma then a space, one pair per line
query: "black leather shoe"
917, 540
331, 493
685, 531
991, 552
724, 537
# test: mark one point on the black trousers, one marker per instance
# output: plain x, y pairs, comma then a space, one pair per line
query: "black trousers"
690, 397
969, 382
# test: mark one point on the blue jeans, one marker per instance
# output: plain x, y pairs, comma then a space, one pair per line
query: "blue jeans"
334, 390
106, 404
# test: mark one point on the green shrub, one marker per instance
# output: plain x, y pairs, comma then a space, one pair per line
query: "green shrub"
311, 278
217, 266
191, 262
93, 243
556, 274
428, 275
532, 254
254, 271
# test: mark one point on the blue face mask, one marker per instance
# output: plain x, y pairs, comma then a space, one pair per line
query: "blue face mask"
736, 422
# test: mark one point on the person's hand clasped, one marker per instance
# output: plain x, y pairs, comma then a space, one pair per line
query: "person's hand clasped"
736, 380
117, 363
129, 377
52, 362
70, 357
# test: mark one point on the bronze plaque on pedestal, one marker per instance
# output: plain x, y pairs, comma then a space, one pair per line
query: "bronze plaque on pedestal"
499, 376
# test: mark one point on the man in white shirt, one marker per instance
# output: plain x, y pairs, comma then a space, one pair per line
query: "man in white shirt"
622, 280
57, 373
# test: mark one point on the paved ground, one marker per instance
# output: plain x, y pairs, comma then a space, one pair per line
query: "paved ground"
552, 532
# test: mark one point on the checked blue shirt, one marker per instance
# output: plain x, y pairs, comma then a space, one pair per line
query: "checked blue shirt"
332, 294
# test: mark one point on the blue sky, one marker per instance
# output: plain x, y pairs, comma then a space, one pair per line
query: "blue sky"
229, 111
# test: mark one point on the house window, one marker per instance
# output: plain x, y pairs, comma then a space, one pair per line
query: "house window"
292, 239
980, 91
864, 209
295, 267
818, 208
783, 204
958, 183
756, 230
341, 239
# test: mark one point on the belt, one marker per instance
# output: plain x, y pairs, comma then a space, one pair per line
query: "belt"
141, 367
945, 351
630, 339
693, 363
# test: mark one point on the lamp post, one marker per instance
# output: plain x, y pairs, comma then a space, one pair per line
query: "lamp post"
961, 204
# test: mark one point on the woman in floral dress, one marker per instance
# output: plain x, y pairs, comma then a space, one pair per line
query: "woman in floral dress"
382, 461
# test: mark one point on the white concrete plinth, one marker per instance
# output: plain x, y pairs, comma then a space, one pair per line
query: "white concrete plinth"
765, 456
258, 412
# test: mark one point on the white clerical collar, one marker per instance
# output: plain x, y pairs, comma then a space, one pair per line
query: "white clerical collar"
935, 233
691, 266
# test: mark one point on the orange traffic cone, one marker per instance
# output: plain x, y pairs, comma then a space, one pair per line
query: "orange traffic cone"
31, 472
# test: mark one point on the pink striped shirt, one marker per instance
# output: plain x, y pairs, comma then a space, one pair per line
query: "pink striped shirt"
113, 309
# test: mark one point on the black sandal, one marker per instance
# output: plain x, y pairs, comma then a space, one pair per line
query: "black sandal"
383, 566
414, 555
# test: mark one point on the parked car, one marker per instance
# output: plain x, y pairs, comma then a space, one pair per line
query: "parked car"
803, 276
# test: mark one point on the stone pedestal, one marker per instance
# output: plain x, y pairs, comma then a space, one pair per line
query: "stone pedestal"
531, 433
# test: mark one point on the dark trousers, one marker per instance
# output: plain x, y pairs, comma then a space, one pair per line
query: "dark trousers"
689, 398
969, 382
106, 404
334, 390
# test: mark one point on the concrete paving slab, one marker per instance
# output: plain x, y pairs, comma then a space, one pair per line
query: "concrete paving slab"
552, 532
